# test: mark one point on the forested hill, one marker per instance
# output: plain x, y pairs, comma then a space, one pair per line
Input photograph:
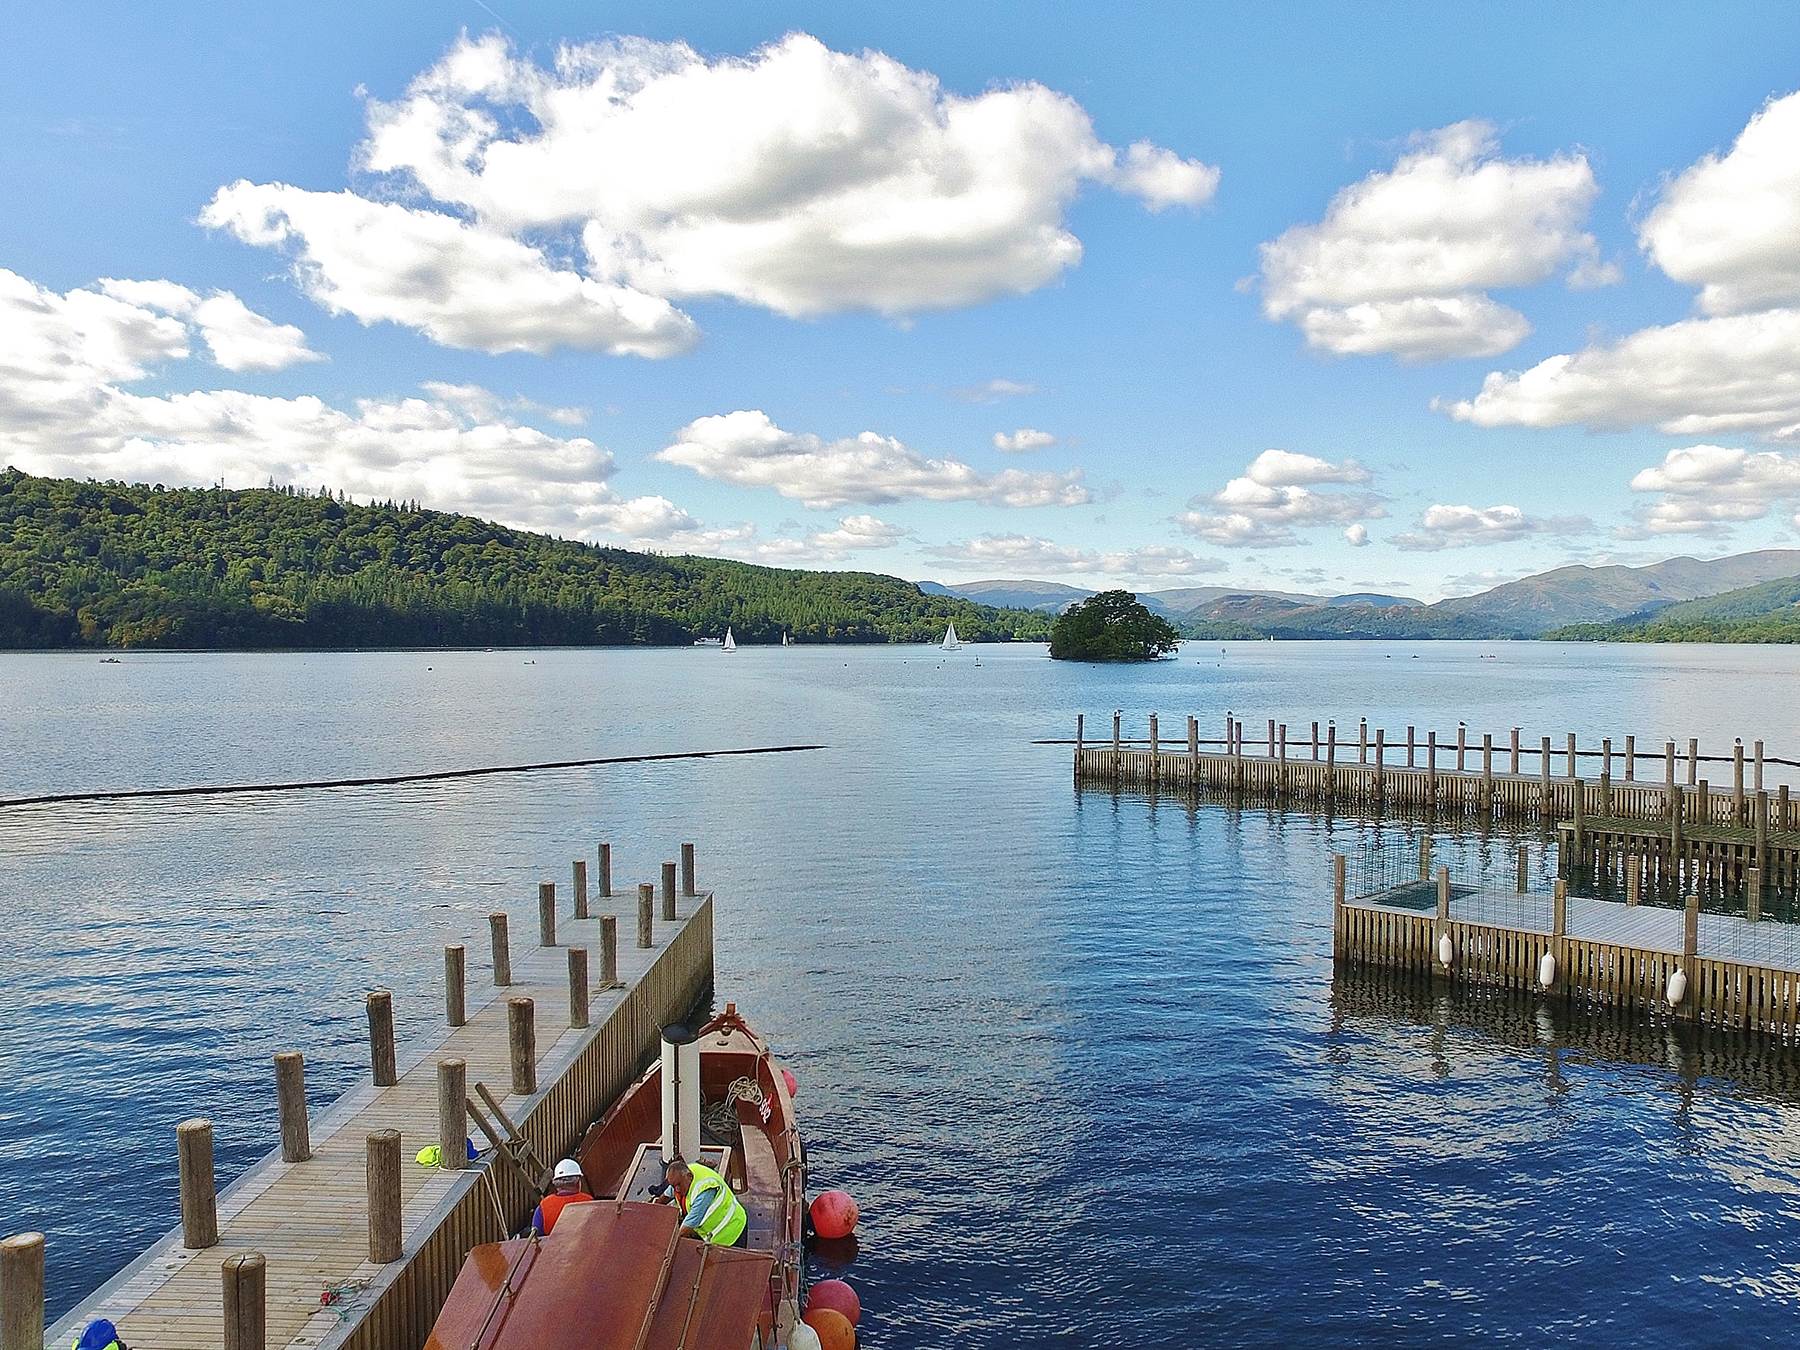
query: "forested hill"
111, 564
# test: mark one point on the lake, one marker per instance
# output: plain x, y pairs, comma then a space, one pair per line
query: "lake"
1081, 1058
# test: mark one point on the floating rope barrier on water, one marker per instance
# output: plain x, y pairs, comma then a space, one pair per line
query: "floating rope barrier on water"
220, 789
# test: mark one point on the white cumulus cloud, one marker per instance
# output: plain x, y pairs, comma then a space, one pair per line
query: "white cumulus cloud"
238, 337
1357, 536
1028, 555
1276, 496
747, 448
1706, 489
66, 361
1443, 526
799, 179
460, 284
1403, 259
1023, 440
1729, 224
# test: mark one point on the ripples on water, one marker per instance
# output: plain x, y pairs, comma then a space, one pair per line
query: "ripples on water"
1082, 1059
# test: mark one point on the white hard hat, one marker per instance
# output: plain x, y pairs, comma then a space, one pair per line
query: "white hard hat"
567, 1170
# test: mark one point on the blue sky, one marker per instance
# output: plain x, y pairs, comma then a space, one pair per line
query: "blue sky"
1250, 297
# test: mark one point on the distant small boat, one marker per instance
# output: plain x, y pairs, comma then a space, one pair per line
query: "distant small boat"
786, 641
730, 641
111, 661
950, 643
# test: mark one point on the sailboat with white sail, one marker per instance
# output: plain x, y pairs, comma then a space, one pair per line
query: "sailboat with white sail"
730, 641
950, 644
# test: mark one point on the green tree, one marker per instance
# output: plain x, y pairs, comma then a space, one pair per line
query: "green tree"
1111, 626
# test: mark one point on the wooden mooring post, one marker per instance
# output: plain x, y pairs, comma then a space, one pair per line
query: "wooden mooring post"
453, 1113
455, 1002
668, 891
502, 950
199, 1205
579, 891
244, 1293
381, 1168
290, 1102
380, 1007
646, 913
605, 878
22, 1292
687, 871
521, 1043
546, 913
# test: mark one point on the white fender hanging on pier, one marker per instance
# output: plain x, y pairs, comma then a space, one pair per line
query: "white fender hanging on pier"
1547, 969
1677, 988
1446, 950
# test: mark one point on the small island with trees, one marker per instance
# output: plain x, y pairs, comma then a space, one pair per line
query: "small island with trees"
1111, 626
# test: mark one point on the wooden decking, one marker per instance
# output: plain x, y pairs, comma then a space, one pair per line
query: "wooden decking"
1651, 928
310, 1219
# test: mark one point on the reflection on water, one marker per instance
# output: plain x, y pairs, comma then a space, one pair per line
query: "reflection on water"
1081, 1058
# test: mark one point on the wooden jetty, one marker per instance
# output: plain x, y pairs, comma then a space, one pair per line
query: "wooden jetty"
1596, 952
1452, 775
337, 1239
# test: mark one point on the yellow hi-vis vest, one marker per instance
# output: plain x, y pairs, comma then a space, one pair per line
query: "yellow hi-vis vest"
724, 1222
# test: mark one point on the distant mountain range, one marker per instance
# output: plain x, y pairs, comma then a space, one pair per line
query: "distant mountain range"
1634, 600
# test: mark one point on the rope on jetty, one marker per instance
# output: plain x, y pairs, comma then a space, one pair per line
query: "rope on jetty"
207, 790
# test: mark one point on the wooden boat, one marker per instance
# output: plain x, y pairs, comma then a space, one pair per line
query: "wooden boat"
617, 1275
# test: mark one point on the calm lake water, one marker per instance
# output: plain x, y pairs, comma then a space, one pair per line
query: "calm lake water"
1081, 1058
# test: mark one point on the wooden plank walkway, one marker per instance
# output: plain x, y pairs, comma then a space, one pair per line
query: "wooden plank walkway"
1644, 927
310, 1219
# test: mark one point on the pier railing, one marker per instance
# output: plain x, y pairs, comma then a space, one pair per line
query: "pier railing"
1453, 776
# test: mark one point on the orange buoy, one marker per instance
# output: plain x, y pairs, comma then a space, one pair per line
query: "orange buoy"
832, 1328
834, 1214
837, 1296
793, 1083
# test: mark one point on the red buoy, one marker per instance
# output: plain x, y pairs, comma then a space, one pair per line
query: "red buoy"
832, 1327
834, 1214
837, 1296
793, 1083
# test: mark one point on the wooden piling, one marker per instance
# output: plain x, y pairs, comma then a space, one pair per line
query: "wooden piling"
521, 1043
1337, 900
1606, 757
1759, 767
668, 892
199, 1197
1515, 753
1315, 743
244, 1281
1634, 878
1630, 759
1380, 767
546, 913
1155, 749
1431, 778
1443, 892
1753, 894
1193, 744
502, 951
1425, 857
1572, 767
381, 1172
22, 1292
578, 986
1362, 741
1690, 929
1487, 773
290, 1105
1677, 854
1781, 809
646, 909
688, 881
1559, 909
1409, 748
455, 1002
1331, 760
605, 878
1738, 816
1524, 857
453, 1114
380, 1007
1693, 760
609, 950
1580, 819
1462, 746
1546, 806
579, 880
1081, 737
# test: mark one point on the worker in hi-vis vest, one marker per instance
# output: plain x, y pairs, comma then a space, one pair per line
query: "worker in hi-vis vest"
709, 1210
567, 1181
